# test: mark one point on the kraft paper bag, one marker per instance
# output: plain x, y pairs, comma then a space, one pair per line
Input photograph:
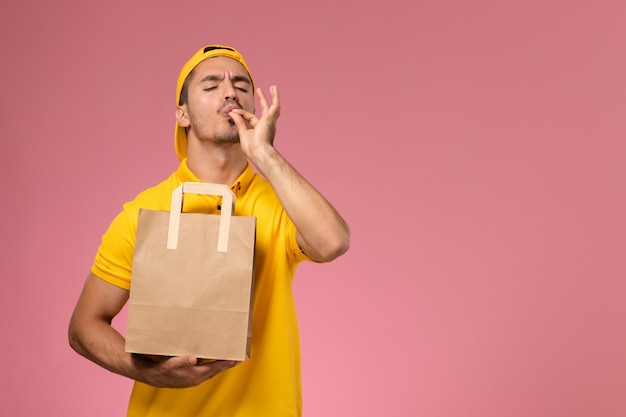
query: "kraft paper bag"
192, 280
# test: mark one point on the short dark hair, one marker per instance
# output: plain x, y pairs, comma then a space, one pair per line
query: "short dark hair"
184, 94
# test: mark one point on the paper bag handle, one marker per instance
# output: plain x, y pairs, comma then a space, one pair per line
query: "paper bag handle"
228, 206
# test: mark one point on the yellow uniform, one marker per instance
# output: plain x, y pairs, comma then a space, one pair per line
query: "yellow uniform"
269, 383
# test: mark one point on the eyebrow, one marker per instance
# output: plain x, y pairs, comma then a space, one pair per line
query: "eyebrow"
218, 77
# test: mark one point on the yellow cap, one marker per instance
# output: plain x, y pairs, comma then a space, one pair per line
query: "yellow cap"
210, 51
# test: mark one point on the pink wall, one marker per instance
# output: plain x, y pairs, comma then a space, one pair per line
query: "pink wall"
476, 148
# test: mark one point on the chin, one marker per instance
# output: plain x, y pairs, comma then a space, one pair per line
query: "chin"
234, 139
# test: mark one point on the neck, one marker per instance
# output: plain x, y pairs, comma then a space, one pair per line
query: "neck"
215, 162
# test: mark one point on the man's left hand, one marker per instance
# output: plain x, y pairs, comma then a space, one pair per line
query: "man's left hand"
255, 133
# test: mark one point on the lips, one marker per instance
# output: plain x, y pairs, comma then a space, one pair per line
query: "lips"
227, 108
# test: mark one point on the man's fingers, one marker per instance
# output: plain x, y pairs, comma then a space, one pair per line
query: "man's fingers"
275, 98
220, 366
243, 113
245, 121
181, 362
240, 123
275, 107
262, 101
204, 367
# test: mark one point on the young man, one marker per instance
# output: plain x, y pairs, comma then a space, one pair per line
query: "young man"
217, 135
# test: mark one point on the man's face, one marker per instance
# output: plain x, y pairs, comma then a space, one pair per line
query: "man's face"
217, 86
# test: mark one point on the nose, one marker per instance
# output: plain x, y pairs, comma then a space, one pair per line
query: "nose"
230, 93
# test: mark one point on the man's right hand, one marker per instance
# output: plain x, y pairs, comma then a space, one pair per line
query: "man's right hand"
177, 371
91, 335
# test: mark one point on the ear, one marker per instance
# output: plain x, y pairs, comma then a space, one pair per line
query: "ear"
181, 116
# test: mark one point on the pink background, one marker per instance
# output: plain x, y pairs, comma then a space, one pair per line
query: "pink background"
475, 147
